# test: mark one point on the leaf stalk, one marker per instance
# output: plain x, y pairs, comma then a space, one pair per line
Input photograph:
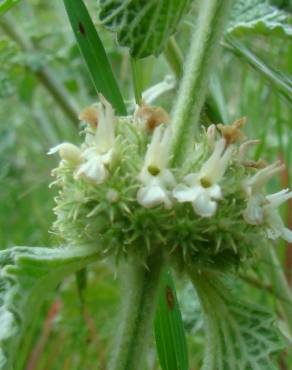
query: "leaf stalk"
140, 297
199, 63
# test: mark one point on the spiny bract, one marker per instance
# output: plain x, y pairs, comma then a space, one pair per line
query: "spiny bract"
119, 193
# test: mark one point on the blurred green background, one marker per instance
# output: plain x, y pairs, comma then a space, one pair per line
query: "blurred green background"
43, 85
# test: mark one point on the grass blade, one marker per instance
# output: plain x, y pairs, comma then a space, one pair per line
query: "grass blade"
94, 54
5, 5
169, 331
281, 82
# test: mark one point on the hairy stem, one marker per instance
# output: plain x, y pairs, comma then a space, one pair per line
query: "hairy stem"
212, 112
140, 297
199, 63
279, 283
44, 75
211, 303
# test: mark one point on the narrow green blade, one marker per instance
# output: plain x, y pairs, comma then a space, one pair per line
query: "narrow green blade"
169, 331
5, 5
94, 54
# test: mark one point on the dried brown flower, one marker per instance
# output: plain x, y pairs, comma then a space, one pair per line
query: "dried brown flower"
150, 117
89, 115
232, 133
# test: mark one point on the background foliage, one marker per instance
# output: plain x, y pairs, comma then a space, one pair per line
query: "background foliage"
253, 78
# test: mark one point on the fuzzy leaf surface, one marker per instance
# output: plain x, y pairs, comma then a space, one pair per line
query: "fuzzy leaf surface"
259, 17
239, 335
143, 26
27, 276
169, 329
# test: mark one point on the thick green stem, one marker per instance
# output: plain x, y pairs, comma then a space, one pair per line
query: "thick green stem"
198, 66
211, 303
140, 297
44, 75
212, 111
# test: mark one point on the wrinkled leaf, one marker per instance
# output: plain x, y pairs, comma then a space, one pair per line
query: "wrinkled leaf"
239, 335
143, 26
94, 54
259, 17
27, 276
169, 331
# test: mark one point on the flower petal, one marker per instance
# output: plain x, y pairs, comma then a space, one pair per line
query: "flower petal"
287, 234
211, 164
166, 178
192, 179
184, 193
214, 168
279, 198
151, 196
105, 132
254, 214
157, 154
214, 191
204, 206
276, 227
94, 170
67, 151
256, 182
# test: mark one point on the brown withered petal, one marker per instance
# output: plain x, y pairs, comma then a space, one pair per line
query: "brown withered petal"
255, 164
89, 115
232, 133
239, 123
151, 117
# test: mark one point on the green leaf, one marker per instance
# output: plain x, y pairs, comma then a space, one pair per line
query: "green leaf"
94, 54
169, 331
240, 335
143, 26
259, 17
27, 276
5, 5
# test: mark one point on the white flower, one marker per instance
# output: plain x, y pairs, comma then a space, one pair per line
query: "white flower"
253, 214
155, 176
68, 152
255, 183
262, 209
148, 117
202, 189
100, 146
275, 225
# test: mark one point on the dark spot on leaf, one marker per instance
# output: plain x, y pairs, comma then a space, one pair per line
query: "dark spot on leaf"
81, 28
169, 297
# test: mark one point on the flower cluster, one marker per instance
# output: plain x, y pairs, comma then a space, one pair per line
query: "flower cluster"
262, 209
119, 191
97, 152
